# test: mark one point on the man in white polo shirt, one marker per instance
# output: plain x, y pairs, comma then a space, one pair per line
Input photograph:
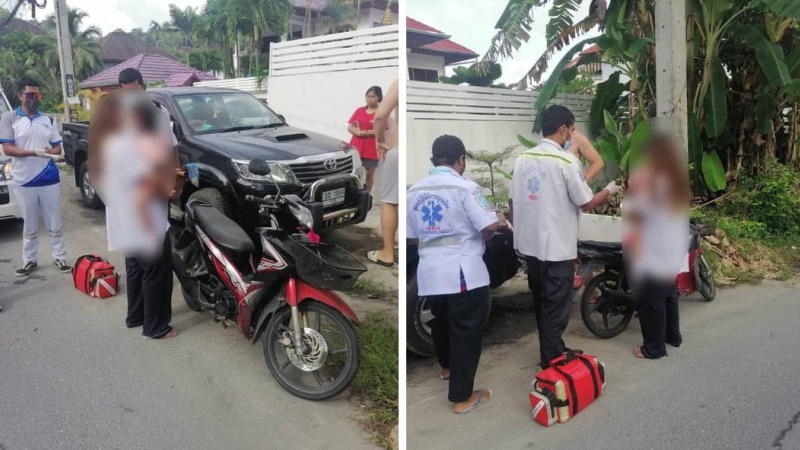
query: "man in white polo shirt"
31, 139
548, 193
450, 218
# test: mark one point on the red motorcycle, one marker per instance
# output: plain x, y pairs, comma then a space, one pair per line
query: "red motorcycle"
287, 300
607, 304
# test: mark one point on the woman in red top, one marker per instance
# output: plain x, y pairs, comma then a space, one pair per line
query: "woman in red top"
361, 127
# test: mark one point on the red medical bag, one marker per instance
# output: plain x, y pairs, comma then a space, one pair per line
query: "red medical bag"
568, 385
95, 276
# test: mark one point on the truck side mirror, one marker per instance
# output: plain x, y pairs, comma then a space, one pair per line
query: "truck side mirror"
259, 167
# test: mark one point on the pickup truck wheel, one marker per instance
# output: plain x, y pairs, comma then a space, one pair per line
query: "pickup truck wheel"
213, 198
88, 193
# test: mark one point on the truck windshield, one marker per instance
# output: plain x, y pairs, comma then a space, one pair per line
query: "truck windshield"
220, 112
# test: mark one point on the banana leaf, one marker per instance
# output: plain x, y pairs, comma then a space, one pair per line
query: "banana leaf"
716, 101
609, 149
549, 88
765, 110
793, 63
770, 56
788, 8
713, 171
525, 142
607, 96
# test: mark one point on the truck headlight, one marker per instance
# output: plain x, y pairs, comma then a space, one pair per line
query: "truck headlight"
5, 173
279, 173
358, 165
303, 215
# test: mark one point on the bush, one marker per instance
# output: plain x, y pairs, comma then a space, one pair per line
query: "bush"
771, 198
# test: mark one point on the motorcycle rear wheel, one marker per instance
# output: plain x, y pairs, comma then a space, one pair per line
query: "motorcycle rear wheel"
704, 278
330, 375
603, 282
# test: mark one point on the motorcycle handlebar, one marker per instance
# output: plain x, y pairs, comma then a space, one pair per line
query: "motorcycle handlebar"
257, 200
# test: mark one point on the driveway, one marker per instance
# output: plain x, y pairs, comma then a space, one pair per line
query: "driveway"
734, 384
73, 377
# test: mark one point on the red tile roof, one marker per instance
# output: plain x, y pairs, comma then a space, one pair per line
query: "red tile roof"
152, 67
444, 45
416, 25
593, 49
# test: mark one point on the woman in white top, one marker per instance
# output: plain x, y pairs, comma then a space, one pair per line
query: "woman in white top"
132, 163
581, 147
656, 242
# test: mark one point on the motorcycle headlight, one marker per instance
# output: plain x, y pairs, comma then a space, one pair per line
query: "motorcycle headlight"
279, 173
303, 215
5, 173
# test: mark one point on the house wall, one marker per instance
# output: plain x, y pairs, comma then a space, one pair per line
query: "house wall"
486, 119
430, 62
317, 83
608, 69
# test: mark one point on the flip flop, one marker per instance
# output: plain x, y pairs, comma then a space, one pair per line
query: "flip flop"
373, 256
478, 402
443, 378
171, 333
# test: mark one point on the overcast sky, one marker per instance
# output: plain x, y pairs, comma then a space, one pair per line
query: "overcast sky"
471, 23
108, 15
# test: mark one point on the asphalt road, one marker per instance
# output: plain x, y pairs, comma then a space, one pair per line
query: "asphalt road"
72, 376
734, 384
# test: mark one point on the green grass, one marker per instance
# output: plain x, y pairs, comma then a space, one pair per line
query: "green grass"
376, 383
367, 287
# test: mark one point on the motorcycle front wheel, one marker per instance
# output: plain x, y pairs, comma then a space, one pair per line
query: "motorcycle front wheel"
603, 319
331, 357
704, 278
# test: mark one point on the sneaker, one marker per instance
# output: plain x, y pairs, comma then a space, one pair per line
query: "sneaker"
26, 269
62, 266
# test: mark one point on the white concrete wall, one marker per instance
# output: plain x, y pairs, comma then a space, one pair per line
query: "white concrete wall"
485, 119
429, 62
317, 83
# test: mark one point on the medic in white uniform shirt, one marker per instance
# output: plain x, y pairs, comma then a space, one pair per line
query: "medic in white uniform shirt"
450, 218
548, 193
31, 139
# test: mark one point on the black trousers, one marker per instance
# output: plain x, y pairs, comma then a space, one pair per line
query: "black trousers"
459, 320
658, 315
551, 284
149, 283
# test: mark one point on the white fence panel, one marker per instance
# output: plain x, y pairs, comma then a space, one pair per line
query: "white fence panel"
249, 84
487, 119
317, 83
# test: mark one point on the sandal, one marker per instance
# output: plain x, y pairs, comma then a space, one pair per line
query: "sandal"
171, 333
373, 256
481, 400
445, 378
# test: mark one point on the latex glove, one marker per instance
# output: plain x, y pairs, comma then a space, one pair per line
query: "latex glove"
42, 153
613, 188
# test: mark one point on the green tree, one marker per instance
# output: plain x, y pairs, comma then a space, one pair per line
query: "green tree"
474, 77
85, 44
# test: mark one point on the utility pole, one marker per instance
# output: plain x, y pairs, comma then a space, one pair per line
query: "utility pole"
65, 57
671, 97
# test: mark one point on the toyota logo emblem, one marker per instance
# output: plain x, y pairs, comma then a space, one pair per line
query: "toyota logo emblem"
330, 164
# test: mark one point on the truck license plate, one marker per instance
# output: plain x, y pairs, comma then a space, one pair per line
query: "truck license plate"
333, 197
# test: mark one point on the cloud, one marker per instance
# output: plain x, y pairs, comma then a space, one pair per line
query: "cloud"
473, 26
109, 15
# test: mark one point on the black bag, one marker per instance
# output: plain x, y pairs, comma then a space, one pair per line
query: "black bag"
500, 257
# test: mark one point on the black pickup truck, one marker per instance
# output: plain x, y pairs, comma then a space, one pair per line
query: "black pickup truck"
221, 130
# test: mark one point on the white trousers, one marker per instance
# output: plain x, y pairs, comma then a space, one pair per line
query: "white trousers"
33, 203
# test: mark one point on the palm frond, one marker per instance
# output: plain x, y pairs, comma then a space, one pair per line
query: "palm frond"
561, 17
513, 30
564, 39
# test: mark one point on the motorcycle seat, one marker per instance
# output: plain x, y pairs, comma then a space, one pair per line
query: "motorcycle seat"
226, 233
611, 247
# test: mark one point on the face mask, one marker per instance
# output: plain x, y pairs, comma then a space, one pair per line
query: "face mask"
567, 145
32, 104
